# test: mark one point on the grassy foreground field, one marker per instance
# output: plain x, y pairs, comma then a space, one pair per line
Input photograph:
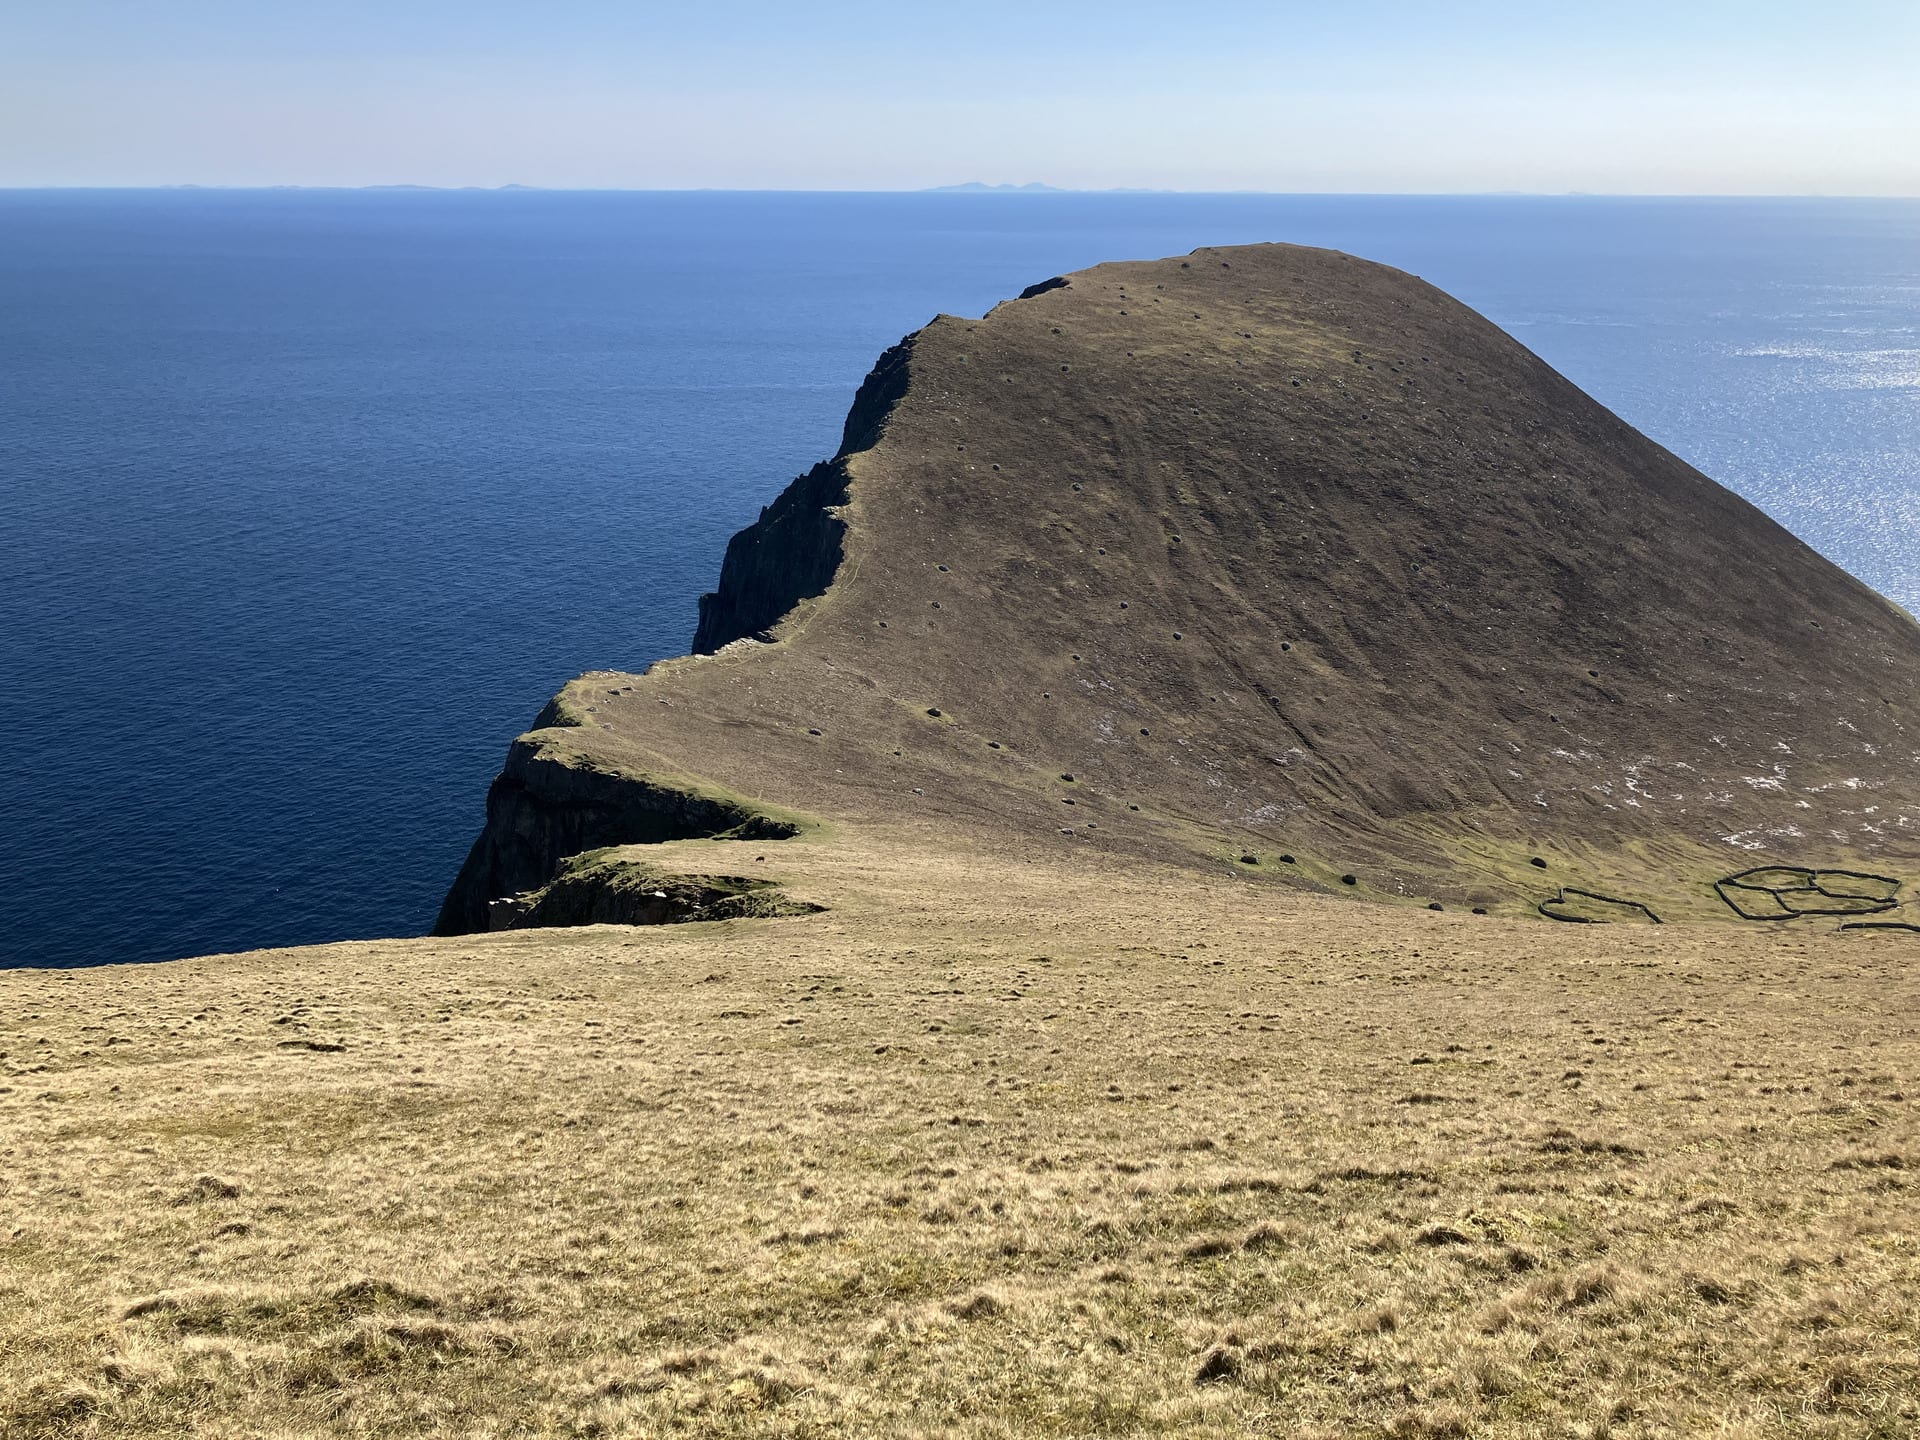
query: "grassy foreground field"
992, 1147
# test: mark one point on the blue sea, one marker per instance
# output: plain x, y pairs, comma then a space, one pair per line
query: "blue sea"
310, 499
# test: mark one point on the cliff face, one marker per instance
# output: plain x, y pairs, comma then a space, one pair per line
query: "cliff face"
544, 807
791, 552
549, 804
1271, 558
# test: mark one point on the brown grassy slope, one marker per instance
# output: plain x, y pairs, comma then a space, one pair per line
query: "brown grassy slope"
1294, 553
994, 1148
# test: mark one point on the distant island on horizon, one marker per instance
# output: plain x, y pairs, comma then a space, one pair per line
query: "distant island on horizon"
1034, 187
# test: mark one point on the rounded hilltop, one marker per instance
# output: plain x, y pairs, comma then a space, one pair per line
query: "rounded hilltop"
1268, 557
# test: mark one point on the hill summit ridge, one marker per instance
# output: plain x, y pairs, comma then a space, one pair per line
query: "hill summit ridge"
1262, 557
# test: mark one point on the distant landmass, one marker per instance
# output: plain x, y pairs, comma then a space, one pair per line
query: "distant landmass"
432, 187
976, 187
435, 188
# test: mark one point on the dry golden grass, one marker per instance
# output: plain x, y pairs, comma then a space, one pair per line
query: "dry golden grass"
989, 1149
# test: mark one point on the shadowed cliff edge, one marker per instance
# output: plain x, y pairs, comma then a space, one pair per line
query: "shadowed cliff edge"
1266, 558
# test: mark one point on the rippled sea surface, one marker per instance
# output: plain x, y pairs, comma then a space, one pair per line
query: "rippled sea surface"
309, 499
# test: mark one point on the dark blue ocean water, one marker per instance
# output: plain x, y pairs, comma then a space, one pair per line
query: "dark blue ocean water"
308, 500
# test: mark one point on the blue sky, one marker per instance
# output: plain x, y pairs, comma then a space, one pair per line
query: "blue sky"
1356, 95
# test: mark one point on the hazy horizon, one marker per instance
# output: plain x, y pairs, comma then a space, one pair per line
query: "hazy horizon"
962, 188
1384, 97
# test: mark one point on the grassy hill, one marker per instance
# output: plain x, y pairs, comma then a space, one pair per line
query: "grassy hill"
990, 1040
1273, 552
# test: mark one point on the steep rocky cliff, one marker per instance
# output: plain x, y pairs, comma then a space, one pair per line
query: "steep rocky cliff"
551, 802
791, 552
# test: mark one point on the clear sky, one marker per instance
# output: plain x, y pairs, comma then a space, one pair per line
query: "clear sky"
1682, 96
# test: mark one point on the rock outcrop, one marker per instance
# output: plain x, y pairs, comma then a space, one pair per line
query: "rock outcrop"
792, 551
614, 887
550, 803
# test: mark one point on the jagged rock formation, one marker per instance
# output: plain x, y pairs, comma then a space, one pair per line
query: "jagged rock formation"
792, 551
551, 803
1269, 553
